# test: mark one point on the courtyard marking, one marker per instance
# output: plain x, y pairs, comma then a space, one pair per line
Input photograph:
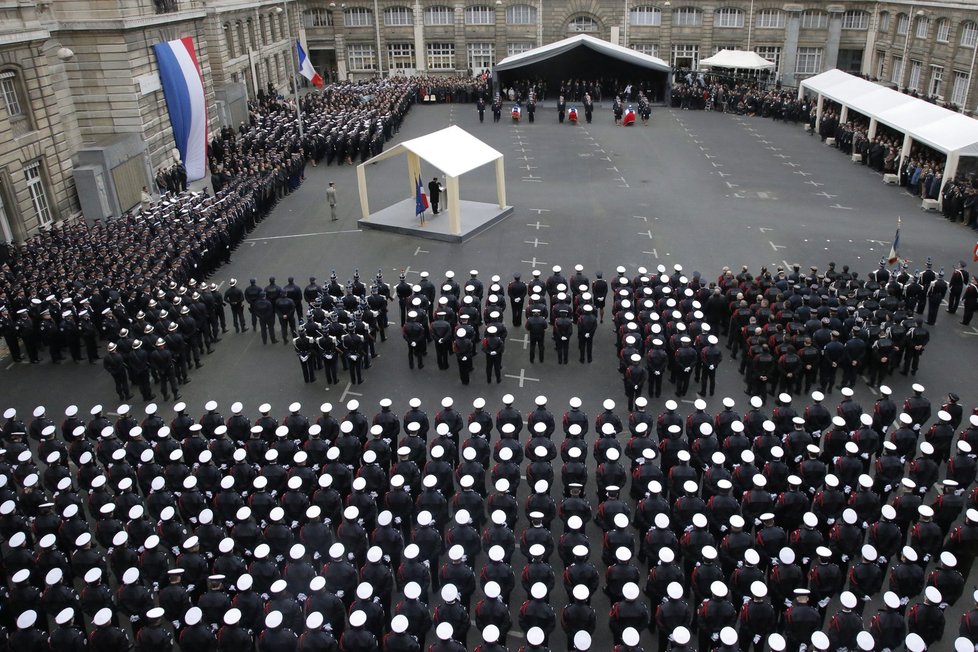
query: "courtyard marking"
825, 194
723, 174
792, 165
973, 331
525, 340
539, 210
302, 235
347, 391
648, 233
536, 242
534, 262
731, 185
781, 156
641, 217
814, 183
533, 179
653, 253
419, 250
538, 225
522, 377
776, 247
803, 173
841, 207
764, 229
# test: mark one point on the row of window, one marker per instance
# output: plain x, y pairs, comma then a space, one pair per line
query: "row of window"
649, 16
362, 57
437, 15
261, 31
915, 79
922, 25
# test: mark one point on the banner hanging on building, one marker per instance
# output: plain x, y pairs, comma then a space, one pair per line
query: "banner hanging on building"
183, 88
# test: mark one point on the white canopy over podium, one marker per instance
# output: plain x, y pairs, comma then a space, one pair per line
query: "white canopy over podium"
453, 151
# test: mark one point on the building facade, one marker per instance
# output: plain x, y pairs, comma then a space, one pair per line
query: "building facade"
937, 40
84, 125
83, 119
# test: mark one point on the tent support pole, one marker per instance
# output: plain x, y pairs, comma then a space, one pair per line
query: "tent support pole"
454, 216
500, 183
362, 187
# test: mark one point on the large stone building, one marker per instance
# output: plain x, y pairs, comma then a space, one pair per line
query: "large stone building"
83, 121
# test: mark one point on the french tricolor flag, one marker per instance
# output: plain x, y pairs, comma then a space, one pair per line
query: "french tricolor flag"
305, 67
183, 88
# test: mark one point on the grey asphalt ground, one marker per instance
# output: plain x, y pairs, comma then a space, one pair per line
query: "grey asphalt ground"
700, 189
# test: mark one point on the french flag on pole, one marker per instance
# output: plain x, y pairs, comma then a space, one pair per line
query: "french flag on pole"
183, 88
305, 67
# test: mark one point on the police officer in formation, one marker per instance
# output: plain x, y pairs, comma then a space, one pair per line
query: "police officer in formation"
340, 325
344, 531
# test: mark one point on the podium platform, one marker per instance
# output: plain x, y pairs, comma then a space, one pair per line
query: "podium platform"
400, 218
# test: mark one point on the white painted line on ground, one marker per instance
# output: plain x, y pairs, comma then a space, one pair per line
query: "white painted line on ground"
764, 229
347, 391
525, 340
539, 210
534, 262
776, 247
301, 235
652, 253
536, 242
825, 194
522, 377
841, 208
419, 250
641, 217
538, 225
646, 233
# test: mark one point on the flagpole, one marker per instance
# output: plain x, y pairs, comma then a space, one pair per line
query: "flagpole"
295, 58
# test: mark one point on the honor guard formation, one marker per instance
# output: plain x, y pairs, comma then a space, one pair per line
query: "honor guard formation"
767, 530
792, 331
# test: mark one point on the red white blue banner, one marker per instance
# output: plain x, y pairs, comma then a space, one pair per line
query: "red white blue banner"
183, 88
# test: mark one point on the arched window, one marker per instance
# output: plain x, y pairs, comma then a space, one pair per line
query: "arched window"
943, 30
770, 19
813, 19
480, 15
521, 15
583, 23
398, 17
317, 18
645, 16
729, 17
229, 40
902, 23
358, 17
687, 17
855, 20
884, 21
15, 100
969, 34
439, 15
923, 26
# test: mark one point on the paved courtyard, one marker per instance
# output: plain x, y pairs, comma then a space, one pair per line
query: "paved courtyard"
703, 190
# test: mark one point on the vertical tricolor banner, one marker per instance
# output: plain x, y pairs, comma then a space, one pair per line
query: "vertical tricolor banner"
183, 88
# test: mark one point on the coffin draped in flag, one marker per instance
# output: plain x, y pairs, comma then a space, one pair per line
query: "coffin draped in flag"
517, 112
629, 116
183, 88
572, 114
305, 67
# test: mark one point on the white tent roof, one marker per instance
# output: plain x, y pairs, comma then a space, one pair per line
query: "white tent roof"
940, 128
598, 45
452, 150
742, 59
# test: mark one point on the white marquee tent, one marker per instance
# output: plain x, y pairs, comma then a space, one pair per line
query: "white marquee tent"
953, 134
453, 151
737, 59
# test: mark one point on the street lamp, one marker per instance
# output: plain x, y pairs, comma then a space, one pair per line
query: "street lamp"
294, 57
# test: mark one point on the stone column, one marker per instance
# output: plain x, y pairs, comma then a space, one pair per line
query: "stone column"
461, 53
831, 58
789, 56
420, 56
